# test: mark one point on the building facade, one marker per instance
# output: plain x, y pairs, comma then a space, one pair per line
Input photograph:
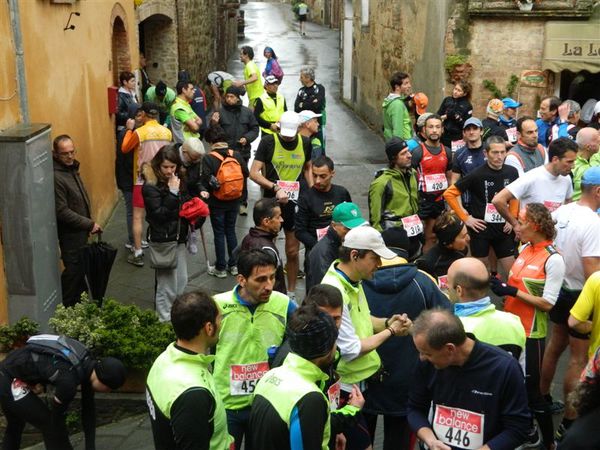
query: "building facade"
551, 49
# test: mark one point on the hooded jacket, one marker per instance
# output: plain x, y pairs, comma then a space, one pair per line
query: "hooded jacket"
396, 119
162, 209
238, 121
392, 194
321, 256
398, 288
457, 111
73, 212
263, 240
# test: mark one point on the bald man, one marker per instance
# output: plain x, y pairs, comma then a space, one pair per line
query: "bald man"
588, 141
468, 289
474, 391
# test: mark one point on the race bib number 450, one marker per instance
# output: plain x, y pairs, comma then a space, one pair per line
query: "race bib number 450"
245, 376
458, 427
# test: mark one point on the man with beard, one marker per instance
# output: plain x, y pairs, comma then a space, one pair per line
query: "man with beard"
315, 205
254, 319
241, 128
433, 162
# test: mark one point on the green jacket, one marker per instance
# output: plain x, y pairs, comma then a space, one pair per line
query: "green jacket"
495, 327
393, 194
396, 120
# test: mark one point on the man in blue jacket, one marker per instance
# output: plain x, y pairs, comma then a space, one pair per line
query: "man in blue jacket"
464, 394
397, 288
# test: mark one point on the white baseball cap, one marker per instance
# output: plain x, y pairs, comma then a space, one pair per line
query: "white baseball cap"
288, 124
306, 115
368, 238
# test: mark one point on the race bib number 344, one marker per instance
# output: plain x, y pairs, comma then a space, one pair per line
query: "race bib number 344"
458, 427
243, 377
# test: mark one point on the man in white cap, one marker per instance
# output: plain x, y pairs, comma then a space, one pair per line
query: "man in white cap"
309, 127
279, 167
361, 333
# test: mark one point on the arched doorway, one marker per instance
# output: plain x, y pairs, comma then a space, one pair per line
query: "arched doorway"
121, 58
158, 40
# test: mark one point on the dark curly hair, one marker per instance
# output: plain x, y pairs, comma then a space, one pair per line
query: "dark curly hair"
539, 215
585, 397
466, 87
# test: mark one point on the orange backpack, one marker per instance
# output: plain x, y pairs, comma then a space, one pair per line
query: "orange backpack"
230, 177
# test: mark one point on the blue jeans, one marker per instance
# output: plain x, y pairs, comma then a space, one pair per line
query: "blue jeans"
223, 225
128, 197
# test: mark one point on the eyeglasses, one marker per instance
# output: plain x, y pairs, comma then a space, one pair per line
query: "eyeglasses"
67, 154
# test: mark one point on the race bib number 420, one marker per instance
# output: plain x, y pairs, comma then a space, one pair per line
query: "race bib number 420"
291, 188
245, 376
459, 428
436, 182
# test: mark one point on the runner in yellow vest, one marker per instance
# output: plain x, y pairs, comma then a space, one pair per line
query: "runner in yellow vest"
254, 320
289, 406
360, 332
252, 78
270, 106
185, 408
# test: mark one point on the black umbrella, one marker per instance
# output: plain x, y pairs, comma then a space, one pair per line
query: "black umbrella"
97, 260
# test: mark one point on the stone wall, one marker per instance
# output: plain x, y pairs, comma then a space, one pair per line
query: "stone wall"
400, 36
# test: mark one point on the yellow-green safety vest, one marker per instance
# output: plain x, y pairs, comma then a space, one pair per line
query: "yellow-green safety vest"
173, 373
362, 367
288, 163
272, 109
284, 386
244, 339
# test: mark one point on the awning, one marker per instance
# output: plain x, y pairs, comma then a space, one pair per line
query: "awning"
573, 46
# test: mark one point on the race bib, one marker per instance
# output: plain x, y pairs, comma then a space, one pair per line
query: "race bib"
333, 394
291, 188
457, 144
243, 377
443, 282
492, 215
512, 134
458, 427
19, 389
412, 225
321, 232
552, 206
436, 182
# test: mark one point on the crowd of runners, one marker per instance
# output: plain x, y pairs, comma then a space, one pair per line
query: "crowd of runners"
399, 320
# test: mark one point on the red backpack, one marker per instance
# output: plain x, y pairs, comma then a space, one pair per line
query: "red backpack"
230, 177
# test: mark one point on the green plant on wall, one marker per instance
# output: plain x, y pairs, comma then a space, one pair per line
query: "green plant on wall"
452, 61
510, 88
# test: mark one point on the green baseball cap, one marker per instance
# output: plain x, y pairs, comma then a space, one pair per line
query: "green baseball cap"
348, 214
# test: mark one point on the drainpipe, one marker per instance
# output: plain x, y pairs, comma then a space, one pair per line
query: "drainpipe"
13, 7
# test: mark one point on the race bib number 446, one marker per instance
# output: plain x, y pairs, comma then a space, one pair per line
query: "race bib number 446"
458, 427
245, 376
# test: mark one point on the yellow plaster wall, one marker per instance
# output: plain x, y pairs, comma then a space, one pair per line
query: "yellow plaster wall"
68, 73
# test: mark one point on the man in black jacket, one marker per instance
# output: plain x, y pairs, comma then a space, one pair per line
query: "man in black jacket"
28, 370
311, 96
267, 224
241, 128
73, 216
345, 217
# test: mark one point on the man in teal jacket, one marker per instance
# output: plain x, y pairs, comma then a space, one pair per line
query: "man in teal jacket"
396, 119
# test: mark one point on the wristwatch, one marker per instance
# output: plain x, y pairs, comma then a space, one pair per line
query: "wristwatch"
275, 187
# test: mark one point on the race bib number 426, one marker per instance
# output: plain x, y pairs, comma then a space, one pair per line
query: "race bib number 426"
458, 427
243, 377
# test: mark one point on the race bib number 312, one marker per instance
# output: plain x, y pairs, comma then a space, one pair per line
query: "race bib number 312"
458, 427
243, 377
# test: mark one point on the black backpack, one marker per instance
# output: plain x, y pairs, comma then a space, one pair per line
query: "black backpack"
62, 347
